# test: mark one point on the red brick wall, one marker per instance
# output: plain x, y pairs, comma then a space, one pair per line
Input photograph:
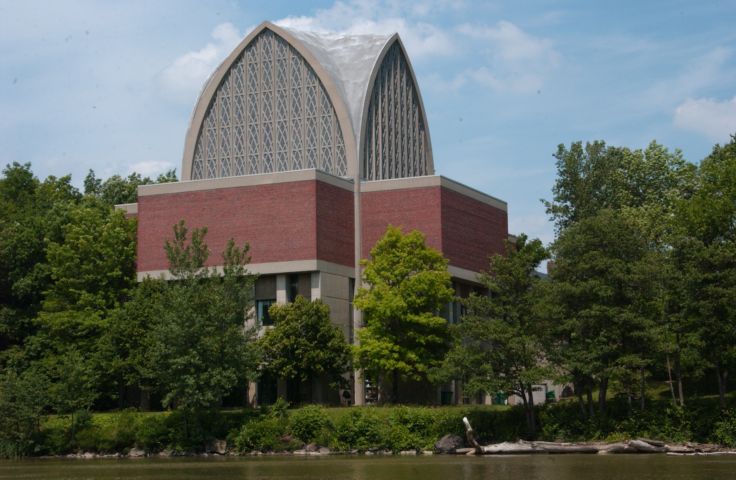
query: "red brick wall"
314, 220
278, 220
471, 230
335, 225
411, 209
465, 230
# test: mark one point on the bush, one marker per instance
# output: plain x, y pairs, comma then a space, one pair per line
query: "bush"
265, 435
310, 423
268, 433
724, 431
362, 430
22, 400
153, 434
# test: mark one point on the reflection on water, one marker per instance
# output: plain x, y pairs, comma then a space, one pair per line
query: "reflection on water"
547, 467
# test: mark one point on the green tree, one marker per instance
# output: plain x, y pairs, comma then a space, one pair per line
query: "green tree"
596, 176
407, 284
92, 269
499, 344
23, 400
709, 249
603, 301
644, 187
117, 189
304, 345
31, 213
201, 348
93, 266
127, 340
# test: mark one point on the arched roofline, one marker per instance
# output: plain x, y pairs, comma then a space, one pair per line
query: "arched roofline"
210, 88
368, 95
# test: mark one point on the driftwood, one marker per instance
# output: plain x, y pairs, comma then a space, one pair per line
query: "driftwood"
640, 445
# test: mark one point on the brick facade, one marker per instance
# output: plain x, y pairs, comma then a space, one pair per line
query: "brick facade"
335, 225
279, 221
313, 219
410, 209
471, 230
464, 229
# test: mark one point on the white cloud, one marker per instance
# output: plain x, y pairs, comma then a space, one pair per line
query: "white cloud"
422, 39
701, 73
512, 44
716, 120
187, 74
517, 61
151, 167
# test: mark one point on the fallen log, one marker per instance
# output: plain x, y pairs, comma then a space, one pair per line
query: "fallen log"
640, 445
471, 436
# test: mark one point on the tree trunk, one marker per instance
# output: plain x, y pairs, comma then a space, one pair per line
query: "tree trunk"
642, 389
525, 402
589, 394
531, 414
581, 403
602, 390
722, 375
678, 376
670, 382
145, 401
395, 386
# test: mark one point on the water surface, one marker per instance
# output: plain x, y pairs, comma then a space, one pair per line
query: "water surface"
531, 467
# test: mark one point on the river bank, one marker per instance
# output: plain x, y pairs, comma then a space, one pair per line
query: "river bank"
400, 430
636, 446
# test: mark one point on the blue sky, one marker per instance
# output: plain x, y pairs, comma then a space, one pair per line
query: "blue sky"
111, 85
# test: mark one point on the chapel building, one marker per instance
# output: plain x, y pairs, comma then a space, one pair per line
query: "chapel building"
307, 146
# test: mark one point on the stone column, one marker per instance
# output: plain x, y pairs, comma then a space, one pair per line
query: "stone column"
281, 281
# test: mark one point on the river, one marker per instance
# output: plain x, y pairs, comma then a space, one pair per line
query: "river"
547, 467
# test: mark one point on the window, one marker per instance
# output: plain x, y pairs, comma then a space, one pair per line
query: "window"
262, 307
293, 289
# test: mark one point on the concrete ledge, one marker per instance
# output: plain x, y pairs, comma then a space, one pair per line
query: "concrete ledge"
244, 181
463, 274
271, 268
433, 181
296, 266
128, 208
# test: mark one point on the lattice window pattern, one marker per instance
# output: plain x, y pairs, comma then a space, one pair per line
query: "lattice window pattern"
269, 113
395, 144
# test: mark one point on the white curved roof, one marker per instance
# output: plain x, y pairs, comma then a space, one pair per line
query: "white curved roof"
350, 68
349, 60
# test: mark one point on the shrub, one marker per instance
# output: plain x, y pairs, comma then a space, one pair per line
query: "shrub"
724, 431
268, 433
361, 429
309, 423
153, 434
191, 430
265, 434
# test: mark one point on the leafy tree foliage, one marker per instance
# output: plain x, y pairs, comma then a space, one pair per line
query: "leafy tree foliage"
201, 348
22, 401
499, 344
127, 341
304, 345
709, 251
407, 284
92, 266
596, 176
602, 291
639, 191
31, 213
117, 190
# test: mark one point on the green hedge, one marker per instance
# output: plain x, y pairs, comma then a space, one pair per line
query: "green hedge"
394, 428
